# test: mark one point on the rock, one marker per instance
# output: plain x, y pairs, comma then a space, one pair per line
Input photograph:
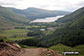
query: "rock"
9, 49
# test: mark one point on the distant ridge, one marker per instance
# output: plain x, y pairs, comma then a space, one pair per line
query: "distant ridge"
37, 13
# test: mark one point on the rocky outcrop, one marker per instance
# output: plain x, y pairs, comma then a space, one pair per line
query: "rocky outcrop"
9, 49
49, 52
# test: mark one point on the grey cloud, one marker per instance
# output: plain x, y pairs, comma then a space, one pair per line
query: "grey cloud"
1, 3
9, 2
43, 6
81, 3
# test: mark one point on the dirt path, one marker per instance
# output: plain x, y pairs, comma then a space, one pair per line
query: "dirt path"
32, 52
39, 52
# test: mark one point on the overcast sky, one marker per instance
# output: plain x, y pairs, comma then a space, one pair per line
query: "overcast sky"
67, 5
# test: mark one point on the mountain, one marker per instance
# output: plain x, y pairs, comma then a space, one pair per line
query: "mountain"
72, 16
71, 34
75, 19
36, 13
10, 18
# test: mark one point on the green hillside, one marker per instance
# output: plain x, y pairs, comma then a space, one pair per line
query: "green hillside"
72, 16
10, 18
60, 48
78, 23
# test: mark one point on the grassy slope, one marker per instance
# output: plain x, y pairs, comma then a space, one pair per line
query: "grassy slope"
4, 23
72, 16
81, 49
10, 18
78, 23
62, 48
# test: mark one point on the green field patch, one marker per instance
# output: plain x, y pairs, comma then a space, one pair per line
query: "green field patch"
14, 33
19, 38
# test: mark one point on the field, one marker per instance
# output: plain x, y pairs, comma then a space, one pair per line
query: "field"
20, 33
32, 26
15, 34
